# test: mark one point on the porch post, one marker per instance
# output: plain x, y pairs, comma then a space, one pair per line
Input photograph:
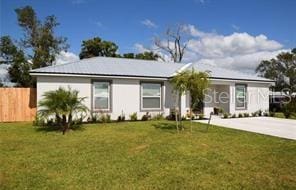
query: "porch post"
232, 98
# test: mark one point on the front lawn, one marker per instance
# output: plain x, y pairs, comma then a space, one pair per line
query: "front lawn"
144, 155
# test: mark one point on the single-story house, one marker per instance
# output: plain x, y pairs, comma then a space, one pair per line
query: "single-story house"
119, 85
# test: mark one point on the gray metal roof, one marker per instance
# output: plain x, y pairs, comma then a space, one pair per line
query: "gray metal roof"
222, 73
141, 68
115, 67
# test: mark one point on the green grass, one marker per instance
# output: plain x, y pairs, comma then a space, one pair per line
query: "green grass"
281, 115
144, 155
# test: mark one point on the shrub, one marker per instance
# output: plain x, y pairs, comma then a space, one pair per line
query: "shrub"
172, 115
254, 114
201, 116
94, 118
216, 110
225, 115
272, 114
62, 104
233, 115
158, 116
133, 116
240, 115
108, 118
259, 112
286, 111
289, 108
146, 117
102, 118
39, 121
121, 118
266, 114
246, 114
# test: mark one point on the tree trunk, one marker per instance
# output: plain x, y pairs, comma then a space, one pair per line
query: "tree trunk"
176, 118
64, 124
190, 109
58, 120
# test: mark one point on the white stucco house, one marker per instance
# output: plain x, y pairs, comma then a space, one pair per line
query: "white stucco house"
116, 85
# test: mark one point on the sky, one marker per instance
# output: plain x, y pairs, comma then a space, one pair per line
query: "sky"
235, 34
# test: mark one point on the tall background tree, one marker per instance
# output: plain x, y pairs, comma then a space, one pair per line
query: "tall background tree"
282, 69
147, 55
98, 47
39, 37
15, 57
39, 44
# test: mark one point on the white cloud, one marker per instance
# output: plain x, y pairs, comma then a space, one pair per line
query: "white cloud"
235, 27
218, 46
65, 57
4, 76
193, 31
149, 23
246, 63
238, 51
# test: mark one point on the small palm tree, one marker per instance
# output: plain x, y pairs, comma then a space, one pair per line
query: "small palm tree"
192, 82
62, 104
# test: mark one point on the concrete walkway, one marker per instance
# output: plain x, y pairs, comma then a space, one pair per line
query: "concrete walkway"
285, 128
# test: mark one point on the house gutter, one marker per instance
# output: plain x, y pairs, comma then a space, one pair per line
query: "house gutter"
99, 76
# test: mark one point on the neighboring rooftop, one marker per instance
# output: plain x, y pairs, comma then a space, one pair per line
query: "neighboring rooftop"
142, 68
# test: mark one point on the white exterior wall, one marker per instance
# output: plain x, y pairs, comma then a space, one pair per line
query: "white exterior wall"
257, 97
46, 83
125, 93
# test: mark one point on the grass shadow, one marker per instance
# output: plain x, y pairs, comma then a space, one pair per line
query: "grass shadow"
57, 129
165, 126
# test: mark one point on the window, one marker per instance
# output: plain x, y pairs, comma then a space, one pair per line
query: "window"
101, 96
151, 96
240, 97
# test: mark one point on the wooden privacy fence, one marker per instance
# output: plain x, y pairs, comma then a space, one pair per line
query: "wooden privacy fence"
17, 104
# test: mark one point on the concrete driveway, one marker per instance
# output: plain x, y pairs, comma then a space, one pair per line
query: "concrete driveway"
285, 128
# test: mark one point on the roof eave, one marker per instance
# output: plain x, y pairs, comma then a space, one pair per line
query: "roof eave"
34, 73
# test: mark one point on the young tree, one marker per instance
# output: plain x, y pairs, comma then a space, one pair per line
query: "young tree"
173, 43
98, 47
62, 104
282, 69
192, 82
19, 67
39, 37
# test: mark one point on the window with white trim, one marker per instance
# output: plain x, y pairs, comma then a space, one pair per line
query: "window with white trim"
101, 96
151, 96
240, 96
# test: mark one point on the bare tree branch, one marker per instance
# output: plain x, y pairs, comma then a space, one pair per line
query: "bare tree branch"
173, 37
